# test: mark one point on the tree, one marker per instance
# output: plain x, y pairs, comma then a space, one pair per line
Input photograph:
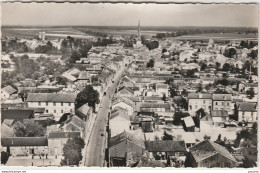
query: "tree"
200, 88
248, 163
164, 50
235, 112
87, 95
226, 67
191, 73
203, 66
167, 136
230, 52
254, 54
150, 64
178, 116
72, 151
71, 157
61, 80
250, 93
28, 128
217, 66
173, 92
164, 97
74, 56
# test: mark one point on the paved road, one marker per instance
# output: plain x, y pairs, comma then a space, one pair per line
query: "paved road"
95, 154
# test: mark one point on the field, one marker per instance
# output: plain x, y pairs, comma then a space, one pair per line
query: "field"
51, 32
219, 36
84, 32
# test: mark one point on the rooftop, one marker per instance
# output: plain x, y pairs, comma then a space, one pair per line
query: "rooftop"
24, 141
165, 146
51, 97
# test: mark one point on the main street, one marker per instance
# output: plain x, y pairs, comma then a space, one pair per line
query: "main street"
95, 155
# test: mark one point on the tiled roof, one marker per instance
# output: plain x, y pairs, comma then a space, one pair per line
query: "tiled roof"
16, 114
165, 146
119, 112
207, 148
63, 135
83, 111
36, 110
51, 97
24, 141
122, 137
155, 105
226, 97
199, 96
75, 121
244, 106
127, 89
9, 89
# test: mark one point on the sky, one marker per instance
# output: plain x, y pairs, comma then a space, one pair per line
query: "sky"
228, 15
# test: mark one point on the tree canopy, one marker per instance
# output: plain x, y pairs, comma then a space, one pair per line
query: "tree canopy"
72, 151
28, 128
87, 95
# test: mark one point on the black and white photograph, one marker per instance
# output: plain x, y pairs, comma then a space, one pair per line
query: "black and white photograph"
133, 85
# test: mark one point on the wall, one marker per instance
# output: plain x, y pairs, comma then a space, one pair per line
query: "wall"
247, 116
196, 104
57, 110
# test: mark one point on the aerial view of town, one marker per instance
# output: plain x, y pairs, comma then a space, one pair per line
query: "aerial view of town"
129, 85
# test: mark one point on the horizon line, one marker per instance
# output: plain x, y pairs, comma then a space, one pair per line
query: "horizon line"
256, 27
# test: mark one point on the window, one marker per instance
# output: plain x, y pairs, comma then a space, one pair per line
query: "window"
243, 113
190, 107
204, 101
216, 103
47, 111
222, 103
70, 110
39, 103
54, 111
61, 111
196, 106
54, 104
69, 104
252, 113
46, 103
61, 104
227, 103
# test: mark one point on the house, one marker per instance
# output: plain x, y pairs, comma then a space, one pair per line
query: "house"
147, 124
222, 102
25, 146
124, 103
72, 124
162, 89
189, 124
219, 116
197, 101
7, 92
123, 143
119, 121
210, 154
247, 112
54, 103
17, 115
57, 139
163, 149
84, 112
